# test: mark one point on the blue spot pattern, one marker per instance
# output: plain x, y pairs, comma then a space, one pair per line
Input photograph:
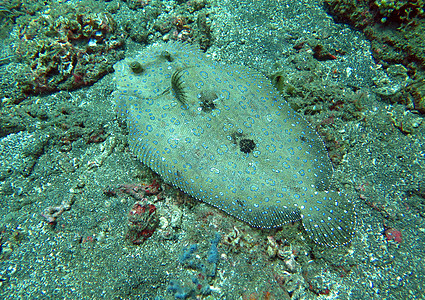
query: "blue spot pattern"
234, 143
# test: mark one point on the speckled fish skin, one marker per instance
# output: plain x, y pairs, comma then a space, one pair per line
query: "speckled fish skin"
223, 134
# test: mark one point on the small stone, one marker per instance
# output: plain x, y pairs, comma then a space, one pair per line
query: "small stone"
417, 122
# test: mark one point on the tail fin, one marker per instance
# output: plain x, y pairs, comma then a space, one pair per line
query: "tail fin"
330, 220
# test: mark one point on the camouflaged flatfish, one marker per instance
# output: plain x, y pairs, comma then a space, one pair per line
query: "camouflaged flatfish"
223, 134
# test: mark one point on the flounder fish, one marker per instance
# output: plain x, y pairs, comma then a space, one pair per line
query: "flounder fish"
224, 135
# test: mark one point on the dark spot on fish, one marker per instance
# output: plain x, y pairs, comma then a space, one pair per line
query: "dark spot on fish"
207, 100
304, 139
240, 202
246, 145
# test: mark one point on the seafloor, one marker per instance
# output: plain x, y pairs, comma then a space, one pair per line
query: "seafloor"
69, 184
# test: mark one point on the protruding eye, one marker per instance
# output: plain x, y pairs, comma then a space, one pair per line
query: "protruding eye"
136, 67
165, 54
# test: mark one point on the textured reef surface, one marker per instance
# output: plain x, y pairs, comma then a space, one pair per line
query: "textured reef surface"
82, 218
